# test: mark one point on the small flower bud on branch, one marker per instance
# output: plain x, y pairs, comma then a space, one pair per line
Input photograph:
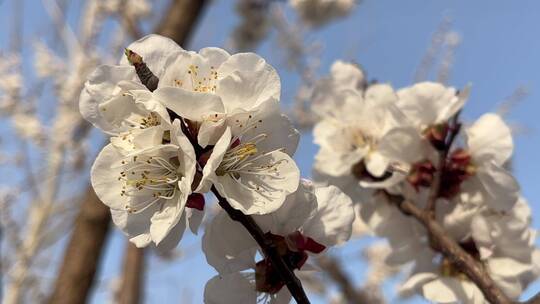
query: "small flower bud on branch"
145, 75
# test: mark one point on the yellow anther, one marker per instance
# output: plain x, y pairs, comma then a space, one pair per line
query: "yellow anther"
246, 150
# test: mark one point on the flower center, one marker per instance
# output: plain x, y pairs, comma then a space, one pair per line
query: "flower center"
240, 157
204, 84
458, 169
148, 179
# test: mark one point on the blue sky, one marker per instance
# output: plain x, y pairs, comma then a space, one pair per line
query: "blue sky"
500, 52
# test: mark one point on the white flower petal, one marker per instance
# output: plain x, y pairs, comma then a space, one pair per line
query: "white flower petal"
405, 145
173, 237
332, 224
195, 218
450, 290
105, 181
209, 170
500, 186
376, 163
490, 139
163, 221
102, 87
265, 192
190, 105
429, 103
155, 50
297, 208
227, 245
195, 72
246, 80
265, 119
230, 288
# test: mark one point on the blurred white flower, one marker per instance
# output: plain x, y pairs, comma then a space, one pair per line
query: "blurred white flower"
438, 280
11, 80
316, 13
46, 63
29, 127
429, 103
326, 94
489, 147
364, 136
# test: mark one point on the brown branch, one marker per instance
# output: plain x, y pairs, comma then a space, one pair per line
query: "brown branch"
82, 255
268, 247
131, 25
180, 19
453, 251
84, 250
453, 128
132, 278
353, 295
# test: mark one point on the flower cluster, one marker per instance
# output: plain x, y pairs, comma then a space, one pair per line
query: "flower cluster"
380, 145
183, 124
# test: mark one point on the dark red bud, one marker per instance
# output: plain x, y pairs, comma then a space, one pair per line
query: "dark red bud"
195, 201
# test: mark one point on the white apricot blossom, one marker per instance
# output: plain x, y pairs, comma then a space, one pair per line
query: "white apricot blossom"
251, 164
428, 103
147, 189
327, 92
439, 281
319, 12
489, 147
311, 220
209, 86
503, 243
352, 138
106, 101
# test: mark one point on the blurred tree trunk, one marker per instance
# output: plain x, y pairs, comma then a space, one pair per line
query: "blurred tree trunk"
133, 276
82, 255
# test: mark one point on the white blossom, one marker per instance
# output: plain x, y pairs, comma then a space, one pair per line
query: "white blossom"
490, 146
147, 190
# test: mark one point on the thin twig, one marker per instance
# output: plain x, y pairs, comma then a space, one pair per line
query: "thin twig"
133, 276
435, 190
353, 295
268, 247
453, 251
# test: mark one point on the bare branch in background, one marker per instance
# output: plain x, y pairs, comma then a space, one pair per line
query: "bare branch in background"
352, 294
180, 19
254, 24
452, 40
83, 253
437, 41
510, 102
131, 288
